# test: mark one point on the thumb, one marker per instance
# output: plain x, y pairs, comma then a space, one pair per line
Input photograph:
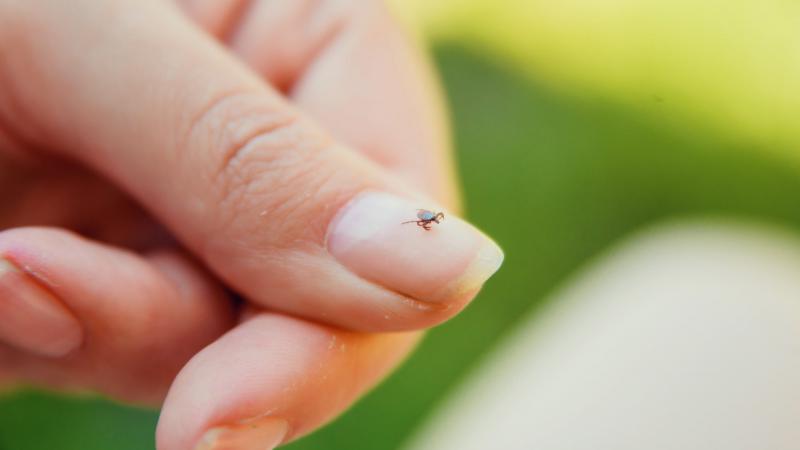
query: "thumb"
291, 219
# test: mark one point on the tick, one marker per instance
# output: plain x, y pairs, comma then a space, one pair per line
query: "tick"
426, 218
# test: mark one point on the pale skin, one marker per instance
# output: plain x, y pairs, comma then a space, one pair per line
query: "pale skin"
153, 152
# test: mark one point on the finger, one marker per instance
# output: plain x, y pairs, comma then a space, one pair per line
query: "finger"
83, 315
293, 220
270, 380
350, 66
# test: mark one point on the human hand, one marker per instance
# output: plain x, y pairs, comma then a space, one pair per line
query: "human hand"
225, 150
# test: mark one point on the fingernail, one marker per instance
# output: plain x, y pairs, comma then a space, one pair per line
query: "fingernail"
264, 433
32, 318
451, 259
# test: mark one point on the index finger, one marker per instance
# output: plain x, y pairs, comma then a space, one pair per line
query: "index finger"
351, 66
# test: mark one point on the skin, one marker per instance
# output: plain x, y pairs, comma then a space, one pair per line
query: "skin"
107, 106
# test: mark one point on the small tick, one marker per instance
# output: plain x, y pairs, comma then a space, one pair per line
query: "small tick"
426, 218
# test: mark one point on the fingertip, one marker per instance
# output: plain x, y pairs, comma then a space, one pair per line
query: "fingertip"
436, 259
273, 366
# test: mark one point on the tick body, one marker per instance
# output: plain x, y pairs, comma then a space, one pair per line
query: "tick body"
426, 219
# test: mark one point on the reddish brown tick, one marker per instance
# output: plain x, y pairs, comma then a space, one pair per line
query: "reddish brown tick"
425, 218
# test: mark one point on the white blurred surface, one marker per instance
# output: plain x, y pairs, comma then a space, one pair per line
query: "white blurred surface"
685, 337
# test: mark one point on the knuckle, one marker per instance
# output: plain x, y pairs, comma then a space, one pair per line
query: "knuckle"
143, 318
273, 176
266, 160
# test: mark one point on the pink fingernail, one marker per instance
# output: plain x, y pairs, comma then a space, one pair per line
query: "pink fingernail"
264, 433
438, 264
32, 318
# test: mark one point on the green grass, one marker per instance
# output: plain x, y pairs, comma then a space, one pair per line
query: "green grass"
555, 179
37, 421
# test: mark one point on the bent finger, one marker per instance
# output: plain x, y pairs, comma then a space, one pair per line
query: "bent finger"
83, 315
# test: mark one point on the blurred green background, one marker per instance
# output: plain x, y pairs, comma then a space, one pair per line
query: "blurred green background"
619, 120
